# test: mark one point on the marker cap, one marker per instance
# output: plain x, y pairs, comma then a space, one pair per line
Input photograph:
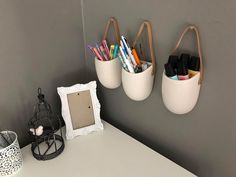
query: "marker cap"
194, 63
181, 68
173, 60
170, 72
185, 58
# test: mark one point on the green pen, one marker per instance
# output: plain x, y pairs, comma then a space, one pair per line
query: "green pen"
116, 50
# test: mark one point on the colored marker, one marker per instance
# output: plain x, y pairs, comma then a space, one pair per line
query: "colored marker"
111, 51
97, 54
170, 72
136, 56
173, 61
116, 49
98, 49
194, 66
103, 52
91, 49
182, 70
105, 46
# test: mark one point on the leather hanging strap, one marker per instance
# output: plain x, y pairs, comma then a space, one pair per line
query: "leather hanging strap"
150, 42
195, 29
114, 22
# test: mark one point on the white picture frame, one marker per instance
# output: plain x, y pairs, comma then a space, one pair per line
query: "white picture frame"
63, 92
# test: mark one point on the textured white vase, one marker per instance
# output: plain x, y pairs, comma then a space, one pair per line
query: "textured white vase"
10, 155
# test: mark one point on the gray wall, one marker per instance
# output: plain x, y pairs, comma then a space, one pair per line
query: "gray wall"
41, 44
202, 141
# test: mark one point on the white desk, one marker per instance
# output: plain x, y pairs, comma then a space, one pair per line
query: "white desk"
108, 153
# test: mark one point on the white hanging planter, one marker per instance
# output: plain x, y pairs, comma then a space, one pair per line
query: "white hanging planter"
109, 72
181, 96
138, 86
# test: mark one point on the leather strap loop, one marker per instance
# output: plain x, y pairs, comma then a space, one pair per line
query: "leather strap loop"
115, 24
195, 29
150, 42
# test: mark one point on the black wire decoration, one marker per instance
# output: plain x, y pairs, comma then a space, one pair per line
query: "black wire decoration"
45, 128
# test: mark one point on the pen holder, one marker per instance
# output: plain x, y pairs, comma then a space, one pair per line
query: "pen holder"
138, 86
10, 154
108, 72
181, 96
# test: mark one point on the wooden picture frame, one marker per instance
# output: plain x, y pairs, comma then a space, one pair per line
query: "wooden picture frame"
80, 109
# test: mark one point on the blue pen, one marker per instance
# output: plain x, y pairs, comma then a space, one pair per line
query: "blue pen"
123, 47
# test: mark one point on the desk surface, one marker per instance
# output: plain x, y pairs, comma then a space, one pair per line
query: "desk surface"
108, 153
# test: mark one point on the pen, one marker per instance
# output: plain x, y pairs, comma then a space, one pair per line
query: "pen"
116, 49
104, 43
123, 48
98, 49
127, 61
111, 51
122, 62
97, 54
104, 53
136, 56
91, 49
126, 45
122, 45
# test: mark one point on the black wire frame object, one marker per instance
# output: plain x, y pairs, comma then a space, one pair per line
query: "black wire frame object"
51, 138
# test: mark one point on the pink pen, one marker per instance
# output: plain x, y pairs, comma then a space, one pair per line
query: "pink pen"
103, 52
97, 54
104, 43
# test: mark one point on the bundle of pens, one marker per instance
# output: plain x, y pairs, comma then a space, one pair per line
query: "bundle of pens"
130, 59
183, 67
103, 52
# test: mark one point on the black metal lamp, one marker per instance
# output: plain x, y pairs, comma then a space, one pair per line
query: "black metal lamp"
45, 127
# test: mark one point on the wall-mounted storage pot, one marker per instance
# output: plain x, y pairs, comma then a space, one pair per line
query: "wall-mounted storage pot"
180, 96
138, 86
109, 72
